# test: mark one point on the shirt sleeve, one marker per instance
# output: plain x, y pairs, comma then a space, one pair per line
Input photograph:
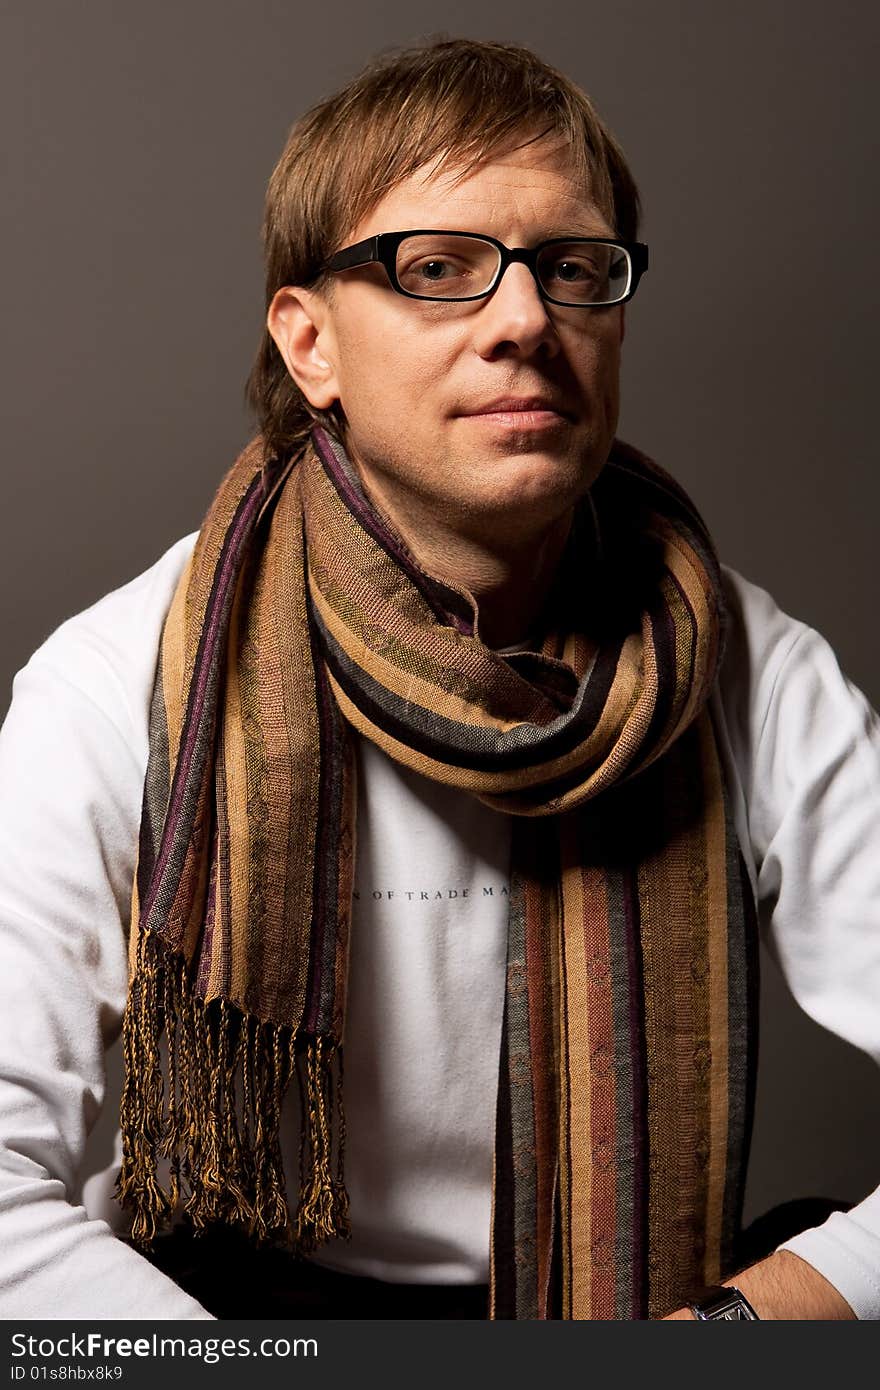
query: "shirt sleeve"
70, 787
812, 768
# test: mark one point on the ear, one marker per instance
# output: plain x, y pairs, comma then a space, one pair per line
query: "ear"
299, 321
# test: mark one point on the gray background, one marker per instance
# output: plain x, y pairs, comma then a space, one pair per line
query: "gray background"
137, 142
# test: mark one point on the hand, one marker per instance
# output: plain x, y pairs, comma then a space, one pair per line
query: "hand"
784, 1287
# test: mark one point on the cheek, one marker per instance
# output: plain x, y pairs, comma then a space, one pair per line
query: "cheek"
596, 359
399, 365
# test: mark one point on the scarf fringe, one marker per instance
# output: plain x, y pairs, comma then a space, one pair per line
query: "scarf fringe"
217, 1116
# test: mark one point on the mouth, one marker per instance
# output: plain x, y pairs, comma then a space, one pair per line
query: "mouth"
520, 413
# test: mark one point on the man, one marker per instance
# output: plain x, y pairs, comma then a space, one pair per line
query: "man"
447, 745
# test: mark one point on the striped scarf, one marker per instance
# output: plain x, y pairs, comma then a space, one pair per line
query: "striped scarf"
627, 1058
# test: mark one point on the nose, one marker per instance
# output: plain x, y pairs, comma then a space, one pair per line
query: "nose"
514, 317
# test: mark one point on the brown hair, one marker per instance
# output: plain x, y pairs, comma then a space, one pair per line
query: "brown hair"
456, 101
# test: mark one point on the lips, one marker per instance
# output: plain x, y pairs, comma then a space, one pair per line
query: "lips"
511, 405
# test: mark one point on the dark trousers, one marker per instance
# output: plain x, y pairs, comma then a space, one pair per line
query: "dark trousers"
231, 1279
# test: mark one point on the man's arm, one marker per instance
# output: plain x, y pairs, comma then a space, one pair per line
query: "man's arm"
784, 1287
806, 746
69, 806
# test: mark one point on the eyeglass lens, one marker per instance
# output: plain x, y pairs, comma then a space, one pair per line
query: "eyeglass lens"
444, 266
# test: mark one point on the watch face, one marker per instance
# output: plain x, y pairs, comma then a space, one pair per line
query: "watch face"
728, 1305
735, 1311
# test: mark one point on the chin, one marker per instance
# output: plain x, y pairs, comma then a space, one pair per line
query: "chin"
527, 499
540, 476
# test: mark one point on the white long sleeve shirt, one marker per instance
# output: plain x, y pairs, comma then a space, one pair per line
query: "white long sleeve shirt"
802, 749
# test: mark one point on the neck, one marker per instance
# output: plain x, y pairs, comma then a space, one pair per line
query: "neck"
509, 576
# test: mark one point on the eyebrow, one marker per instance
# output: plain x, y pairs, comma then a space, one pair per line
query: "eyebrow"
578, 231
563, 230
560, 234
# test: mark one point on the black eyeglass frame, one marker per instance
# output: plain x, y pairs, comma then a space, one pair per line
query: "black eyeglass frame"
382, 249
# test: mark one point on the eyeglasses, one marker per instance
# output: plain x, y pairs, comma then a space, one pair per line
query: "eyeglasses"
584, 272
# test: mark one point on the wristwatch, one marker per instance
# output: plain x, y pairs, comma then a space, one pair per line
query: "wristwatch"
720, 1304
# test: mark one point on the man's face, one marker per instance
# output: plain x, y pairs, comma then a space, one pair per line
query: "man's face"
415, 378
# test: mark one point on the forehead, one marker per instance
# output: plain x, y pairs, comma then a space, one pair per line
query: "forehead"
532, 190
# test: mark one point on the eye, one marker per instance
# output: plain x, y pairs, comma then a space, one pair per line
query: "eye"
573, 269
435, 269
445, 264
583, 272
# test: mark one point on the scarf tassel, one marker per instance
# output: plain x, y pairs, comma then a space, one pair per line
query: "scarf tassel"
214, 1111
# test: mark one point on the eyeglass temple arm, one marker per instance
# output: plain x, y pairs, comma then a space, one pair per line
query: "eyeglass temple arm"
360, 254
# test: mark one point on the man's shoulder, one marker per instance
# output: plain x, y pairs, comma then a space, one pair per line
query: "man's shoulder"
759, 635
781, 685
